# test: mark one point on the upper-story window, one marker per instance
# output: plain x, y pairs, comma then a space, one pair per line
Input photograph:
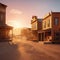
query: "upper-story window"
48, 24
44, 24
56, 21
2, 18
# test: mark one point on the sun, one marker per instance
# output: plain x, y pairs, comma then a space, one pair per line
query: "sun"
15, 24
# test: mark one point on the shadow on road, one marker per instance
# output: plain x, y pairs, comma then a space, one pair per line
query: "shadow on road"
9, 51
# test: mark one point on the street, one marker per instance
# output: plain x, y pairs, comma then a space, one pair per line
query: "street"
28, 50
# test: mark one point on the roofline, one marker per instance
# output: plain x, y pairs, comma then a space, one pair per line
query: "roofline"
47, 16
50, 13
56, 12
3, 5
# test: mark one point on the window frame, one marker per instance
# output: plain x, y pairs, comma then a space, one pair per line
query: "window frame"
44, 24
48, 24
56, 21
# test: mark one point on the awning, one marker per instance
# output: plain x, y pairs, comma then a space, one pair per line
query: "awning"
5, 26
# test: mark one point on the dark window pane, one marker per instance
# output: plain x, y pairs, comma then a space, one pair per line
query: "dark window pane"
56, 21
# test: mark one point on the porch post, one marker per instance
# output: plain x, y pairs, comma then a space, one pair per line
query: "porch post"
12, 34
44, 36
41, 37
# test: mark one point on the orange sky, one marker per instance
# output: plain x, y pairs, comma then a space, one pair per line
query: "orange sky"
19, 12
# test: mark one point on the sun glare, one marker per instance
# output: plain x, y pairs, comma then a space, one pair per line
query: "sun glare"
16, 24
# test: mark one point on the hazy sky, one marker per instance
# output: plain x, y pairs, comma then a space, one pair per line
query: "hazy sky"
21, 11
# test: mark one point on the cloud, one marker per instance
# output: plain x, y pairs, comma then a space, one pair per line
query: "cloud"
15, 11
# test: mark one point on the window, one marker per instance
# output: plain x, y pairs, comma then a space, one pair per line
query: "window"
48, 23
57, 35
2, 18
56, 21
44, 24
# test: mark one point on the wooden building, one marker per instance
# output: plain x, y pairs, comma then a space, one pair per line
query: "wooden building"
36, 26
4, 28
48, 28
51, 27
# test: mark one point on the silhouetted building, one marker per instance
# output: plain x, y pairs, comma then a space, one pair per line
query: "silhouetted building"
4, 28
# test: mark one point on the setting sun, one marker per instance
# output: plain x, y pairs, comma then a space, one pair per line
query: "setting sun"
16, 24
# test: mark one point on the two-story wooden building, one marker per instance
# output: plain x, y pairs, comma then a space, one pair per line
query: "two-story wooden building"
36, 26
51, 27
4, 28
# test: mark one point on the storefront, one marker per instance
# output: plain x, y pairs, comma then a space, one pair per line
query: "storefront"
5, 34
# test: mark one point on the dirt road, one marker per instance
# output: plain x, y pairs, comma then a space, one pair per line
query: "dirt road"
28, 50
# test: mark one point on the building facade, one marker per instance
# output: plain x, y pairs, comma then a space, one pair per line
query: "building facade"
4, 28
51, 27
36, 26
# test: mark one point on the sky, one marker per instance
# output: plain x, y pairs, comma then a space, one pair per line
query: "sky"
20, 12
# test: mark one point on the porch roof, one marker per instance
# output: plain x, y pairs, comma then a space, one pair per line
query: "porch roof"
42, 31
5, 26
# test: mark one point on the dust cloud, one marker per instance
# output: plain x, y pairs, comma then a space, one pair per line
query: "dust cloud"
26, 34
